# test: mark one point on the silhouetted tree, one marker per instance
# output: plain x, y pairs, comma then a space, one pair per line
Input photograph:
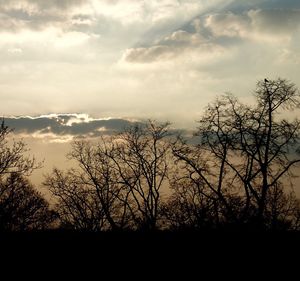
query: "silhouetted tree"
12, 156
22, 208
282, 210
89, 196
76, 206
245, 151
117, 183
140, 157
236, 177
188, 208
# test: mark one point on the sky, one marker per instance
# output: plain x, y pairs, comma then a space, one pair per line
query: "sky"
75, 67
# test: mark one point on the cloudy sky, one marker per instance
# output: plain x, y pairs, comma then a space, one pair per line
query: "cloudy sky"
116, 61
163, 59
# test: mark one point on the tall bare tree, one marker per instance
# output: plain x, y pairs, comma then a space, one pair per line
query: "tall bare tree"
245, 151
140, 158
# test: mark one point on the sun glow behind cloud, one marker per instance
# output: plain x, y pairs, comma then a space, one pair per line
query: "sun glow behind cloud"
63, 128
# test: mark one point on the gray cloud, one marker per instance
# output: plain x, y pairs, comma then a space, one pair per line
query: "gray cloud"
208, 32
176, 44
75, 125
274, 22
35, 14
149, 54
39, 4
66, 127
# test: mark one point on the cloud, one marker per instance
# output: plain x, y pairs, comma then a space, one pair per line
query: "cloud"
41, 4
149, 54
36, 14
163, 59
255, 24
65, 127
40, 28
26, 8
211, 32
177, 44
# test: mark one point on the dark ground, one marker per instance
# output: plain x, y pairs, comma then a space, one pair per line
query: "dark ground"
143, 242
184, 254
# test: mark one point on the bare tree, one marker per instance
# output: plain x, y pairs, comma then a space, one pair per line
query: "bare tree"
118, 181
245, 151
12, 156
89, 197
188, 208
282, 211
140, 157
21, 207
76, 206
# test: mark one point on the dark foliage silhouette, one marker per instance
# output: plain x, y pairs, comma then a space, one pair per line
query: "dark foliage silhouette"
22, 208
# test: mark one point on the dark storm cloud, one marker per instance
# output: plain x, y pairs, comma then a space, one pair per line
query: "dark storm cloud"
67, 124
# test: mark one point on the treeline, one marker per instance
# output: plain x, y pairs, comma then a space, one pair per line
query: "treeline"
237, 177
